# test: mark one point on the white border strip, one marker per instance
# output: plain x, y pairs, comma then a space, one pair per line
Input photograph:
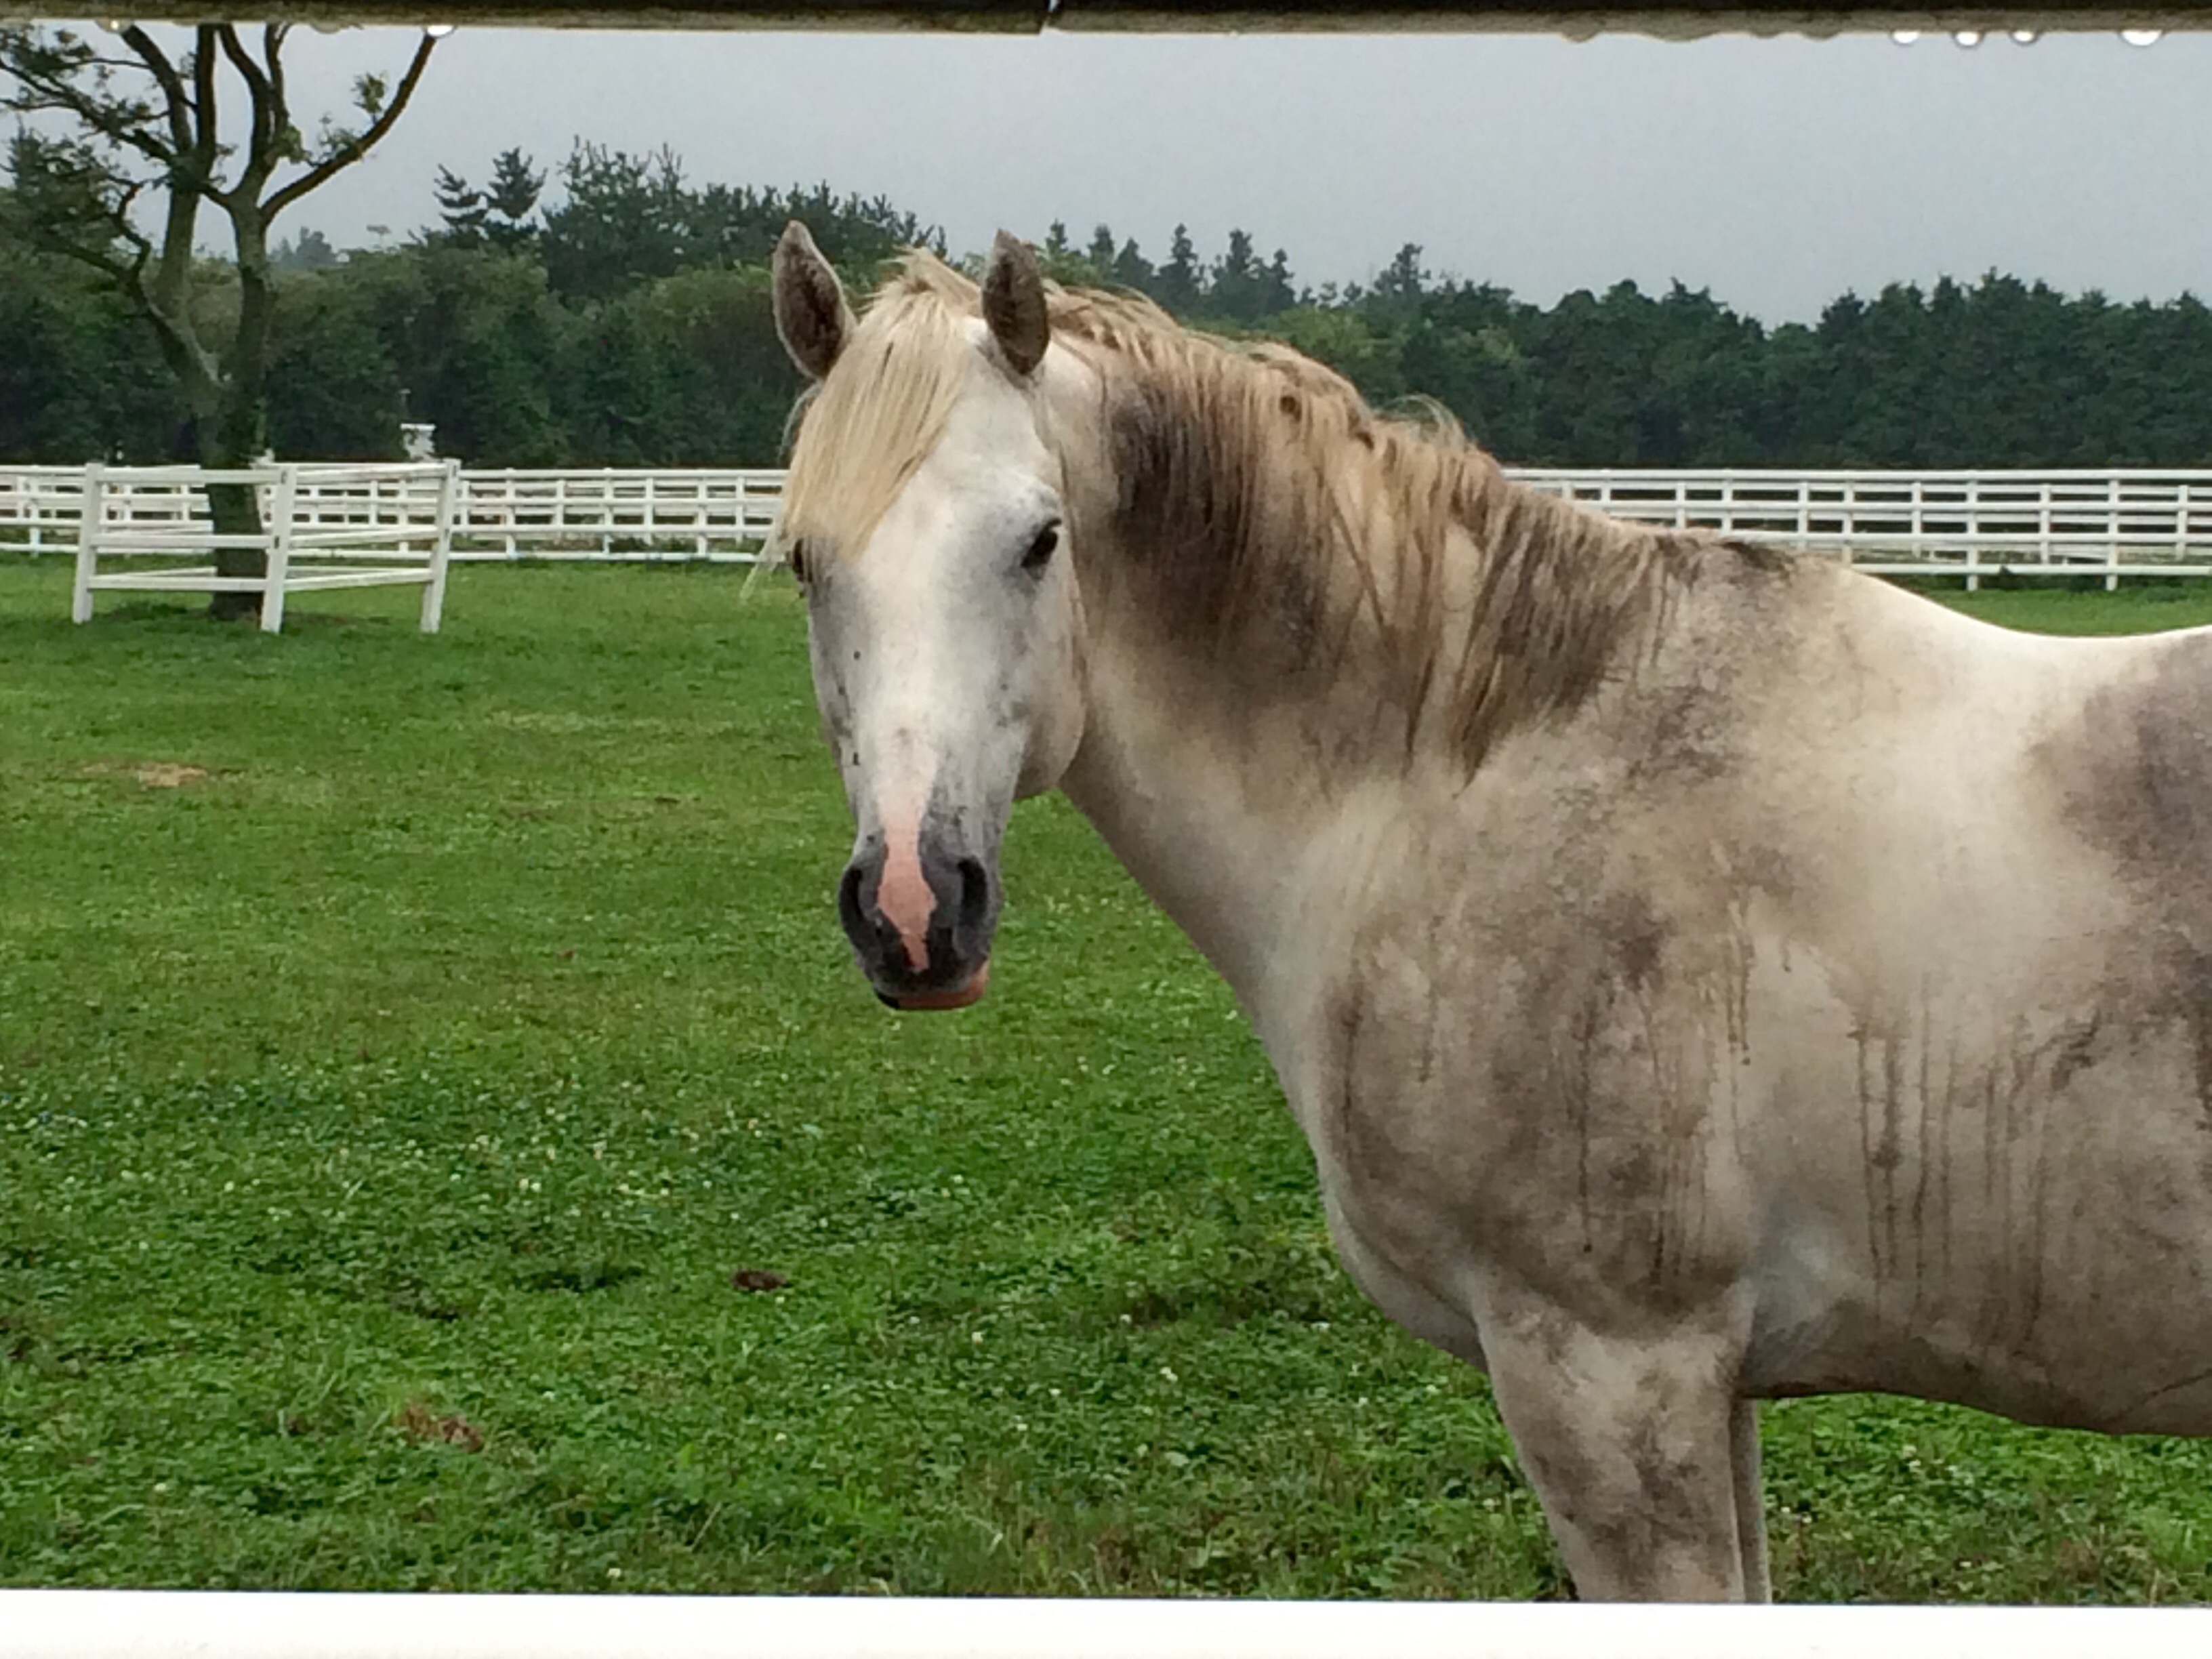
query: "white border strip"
248, 1624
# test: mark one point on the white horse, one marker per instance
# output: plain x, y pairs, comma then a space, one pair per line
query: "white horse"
1703, 974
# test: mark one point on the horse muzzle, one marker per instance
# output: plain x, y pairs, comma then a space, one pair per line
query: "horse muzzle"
921, 921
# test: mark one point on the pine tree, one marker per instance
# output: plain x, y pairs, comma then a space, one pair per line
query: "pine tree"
1132, 269
460, 207
512, 197
1402, 280
1060, 261
1235, 292
1101, 253
1178, 283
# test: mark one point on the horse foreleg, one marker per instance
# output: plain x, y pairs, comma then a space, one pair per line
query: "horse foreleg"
1630, 1443
1750, 1500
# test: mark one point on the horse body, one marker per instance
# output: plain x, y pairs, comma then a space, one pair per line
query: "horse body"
1703, 974
1813, 1020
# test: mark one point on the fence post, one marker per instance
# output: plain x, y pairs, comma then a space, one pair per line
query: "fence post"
2113, 546
1973, 518
280, 550
434, 591
92, 505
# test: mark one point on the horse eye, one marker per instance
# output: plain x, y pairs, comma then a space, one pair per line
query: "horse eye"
797, 559
1041, 549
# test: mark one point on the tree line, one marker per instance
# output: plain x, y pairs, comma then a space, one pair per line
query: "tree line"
625, 321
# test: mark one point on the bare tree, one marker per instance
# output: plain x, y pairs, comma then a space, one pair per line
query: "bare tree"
119, 150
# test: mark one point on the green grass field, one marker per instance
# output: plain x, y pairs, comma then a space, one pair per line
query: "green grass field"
405, 1043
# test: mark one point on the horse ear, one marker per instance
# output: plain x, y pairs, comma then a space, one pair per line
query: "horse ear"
811, 317
1013, 304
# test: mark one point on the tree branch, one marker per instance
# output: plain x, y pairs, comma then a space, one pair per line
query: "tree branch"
111, 118
354, 148
260, 143
124, 276
192, 176
114, 217
150, 54
272, 53
131, 233
206, 140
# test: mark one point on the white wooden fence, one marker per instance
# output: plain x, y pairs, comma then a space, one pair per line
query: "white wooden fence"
2118, 523
194, 1625
699, 513
1969, 524
611, 515
350, 526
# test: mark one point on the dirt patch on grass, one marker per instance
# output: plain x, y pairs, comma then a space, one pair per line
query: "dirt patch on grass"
153, 774
169, 775
419, 1423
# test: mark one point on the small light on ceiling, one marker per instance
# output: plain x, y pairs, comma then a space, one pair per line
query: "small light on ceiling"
2143, 37
1905, 37
2025, 37
1967, 37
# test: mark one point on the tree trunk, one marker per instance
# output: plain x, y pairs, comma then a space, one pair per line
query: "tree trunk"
238, 435
236, 512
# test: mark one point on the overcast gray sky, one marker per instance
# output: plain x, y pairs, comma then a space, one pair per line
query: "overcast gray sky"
1776, 173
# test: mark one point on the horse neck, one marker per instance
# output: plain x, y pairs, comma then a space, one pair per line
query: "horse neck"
1232, 745
1210, 806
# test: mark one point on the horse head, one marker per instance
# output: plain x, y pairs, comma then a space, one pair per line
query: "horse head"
924, 517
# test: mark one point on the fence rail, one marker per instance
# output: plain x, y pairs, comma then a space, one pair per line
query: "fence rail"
2117, 523
2114, 523
191, 1624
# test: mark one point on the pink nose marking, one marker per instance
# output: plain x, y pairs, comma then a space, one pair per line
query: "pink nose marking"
904, 896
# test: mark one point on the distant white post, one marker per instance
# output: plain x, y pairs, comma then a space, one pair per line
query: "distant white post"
91, 513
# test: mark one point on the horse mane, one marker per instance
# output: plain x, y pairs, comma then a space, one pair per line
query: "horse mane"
1269, 507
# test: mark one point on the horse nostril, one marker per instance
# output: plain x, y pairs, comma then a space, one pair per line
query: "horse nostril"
849, 906
974, 893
